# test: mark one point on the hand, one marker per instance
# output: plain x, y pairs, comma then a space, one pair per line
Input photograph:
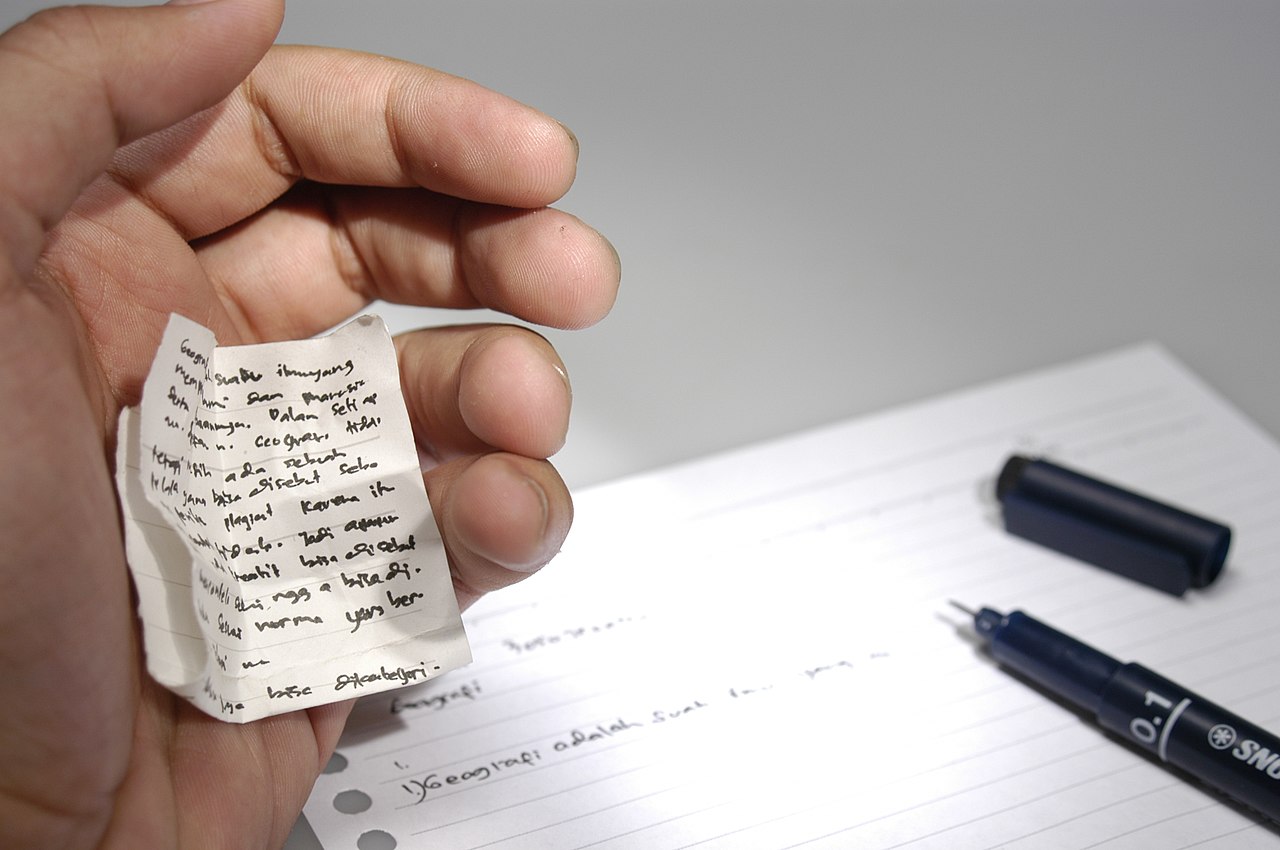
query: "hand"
164, 160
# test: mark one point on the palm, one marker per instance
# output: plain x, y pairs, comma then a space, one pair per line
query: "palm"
273, 214
156, 753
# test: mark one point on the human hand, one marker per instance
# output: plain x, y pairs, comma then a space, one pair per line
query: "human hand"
151, 163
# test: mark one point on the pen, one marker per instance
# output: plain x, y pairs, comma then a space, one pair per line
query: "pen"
1206, 741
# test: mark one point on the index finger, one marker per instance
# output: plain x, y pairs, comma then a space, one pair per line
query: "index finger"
79, 81
334, 116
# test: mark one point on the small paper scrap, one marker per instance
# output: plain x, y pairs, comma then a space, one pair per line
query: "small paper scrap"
277, 526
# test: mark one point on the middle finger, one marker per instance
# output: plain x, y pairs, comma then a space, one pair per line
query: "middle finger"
472, 389
322, 252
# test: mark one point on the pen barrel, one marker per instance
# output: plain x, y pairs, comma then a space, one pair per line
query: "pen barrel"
1054, 660
1211, 744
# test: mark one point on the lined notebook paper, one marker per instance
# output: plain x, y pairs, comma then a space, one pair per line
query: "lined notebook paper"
754, 650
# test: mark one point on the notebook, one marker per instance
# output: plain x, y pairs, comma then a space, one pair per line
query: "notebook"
754, 650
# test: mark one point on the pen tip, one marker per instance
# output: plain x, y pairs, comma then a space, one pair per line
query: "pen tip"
969, 611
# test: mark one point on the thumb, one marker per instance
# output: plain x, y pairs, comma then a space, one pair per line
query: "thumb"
78, 82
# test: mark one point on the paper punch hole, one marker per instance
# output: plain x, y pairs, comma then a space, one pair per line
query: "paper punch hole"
1121, 531
352, 802
336, 764
376, 839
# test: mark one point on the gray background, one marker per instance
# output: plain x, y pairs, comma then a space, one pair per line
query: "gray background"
827, 208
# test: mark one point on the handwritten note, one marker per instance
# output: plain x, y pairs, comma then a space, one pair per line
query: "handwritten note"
277, 526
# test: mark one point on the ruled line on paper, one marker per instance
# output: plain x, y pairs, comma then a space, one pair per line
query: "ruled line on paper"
866, 559
569, 790
995, 436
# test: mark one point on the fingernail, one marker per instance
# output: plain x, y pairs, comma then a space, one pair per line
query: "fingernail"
533, 556
617, 258
508, 521
564, 376
544, 519
577, 148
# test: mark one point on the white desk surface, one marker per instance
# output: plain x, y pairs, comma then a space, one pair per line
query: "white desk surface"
828, 208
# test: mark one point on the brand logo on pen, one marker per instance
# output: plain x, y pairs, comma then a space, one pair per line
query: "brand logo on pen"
1252, 753
1221, 736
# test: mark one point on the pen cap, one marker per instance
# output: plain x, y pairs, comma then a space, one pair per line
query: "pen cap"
1110, 527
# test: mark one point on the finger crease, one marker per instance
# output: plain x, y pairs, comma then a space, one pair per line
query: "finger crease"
229, 300
133, 188
273, 147
118, 127
348, 259
455, 245
106, 386
394, 142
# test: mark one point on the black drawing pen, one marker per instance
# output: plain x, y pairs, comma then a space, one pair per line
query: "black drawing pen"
1206, 741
